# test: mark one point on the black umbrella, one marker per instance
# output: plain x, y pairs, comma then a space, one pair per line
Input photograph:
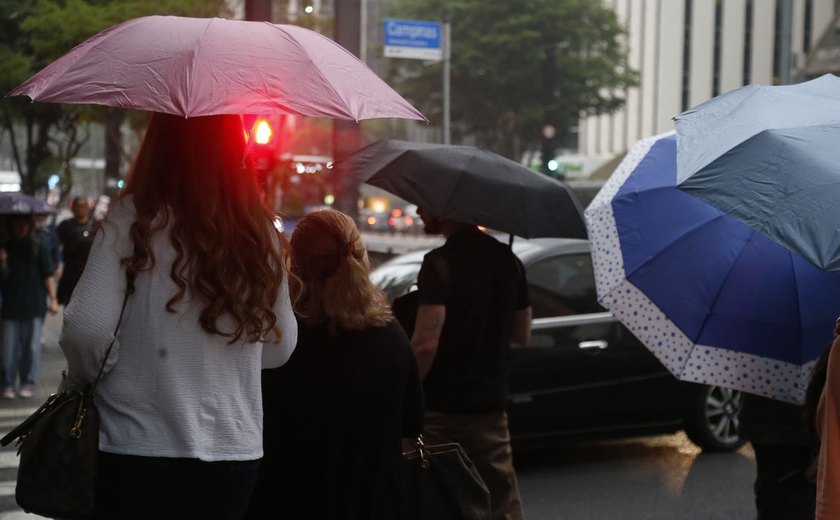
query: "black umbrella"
471, 185
22, 204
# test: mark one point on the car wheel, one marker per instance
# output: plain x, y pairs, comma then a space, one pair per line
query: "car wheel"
712, 421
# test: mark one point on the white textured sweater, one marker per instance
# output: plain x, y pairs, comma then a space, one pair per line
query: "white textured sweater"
171, 389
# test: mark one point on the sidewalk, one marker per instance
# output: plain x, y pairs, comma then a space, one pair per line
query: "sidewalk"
52, 364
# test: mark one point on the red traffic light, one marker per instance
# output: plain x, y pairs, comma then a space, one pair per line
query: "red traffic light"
262, 132
263, 135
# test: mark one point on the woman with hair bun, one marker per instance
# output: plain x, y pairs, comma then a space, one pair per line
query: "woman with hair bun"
335, 414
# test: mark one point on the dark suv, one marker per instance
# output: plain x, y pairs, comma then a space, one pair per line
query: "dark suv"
584, 375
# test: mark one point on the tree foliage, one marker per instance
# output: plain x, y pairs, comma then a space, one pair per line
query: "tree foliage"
44, 136
501, 52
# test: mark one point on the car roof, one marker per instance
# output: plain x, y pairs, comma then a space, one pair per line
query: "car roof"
526, 249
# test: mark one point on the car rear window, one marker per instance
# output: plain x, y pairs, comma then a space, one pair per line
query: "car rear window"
562, 285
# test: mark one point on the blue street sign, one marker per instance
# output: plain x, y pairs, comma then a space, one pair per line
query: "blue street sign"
413, 39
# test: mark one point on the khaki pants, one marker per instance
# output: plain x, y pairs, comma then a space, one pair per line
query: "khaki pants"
486, 439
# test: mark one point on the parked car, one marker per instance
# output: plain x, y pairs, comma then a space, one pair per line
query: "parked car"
370, 220
584, 375
396, 220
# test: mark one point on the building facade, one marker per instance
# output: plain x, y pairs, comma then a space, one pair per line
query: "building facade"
688, 51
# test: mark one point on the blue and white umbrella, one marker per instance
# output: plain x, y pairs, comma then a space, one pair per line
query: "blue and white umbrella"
717, 302
768, 156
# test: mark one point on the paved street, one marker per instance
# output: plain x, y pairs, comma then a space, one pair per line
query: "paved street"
650, 478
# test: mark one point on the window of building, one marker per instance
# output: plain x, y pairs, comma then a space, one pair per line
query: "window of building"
686, 72
748, 25
807, 30
717, 48
777, 44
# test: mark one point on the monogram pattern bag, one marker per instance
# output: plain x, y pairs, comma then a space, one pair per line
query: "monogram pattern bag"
59, 448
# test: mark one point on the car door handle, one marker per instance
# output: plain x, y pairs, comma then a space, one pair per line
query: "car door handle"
593, 345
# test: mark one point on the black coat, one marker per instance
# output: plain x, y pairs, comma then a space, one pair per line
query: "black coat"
335, 415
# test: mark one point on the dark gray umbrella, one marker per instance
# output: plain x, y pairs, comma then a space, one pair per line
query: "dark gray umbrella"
471, 185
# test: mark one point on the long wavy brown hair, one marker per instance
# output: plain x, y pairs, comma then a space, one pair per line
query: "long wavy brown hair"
191, 177
330, 274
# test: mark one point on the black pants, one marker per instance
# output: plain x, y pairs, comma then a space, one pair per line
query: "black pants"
782, 488
162, 488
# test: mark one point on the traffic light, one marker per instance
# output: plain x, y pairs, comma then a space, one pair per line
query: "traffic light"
263, 136
547, 150
263, 141
263, 133
549, 164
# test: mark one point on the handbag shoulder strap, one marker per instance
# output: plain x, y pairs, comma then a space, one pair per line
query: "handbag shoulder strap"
111, 346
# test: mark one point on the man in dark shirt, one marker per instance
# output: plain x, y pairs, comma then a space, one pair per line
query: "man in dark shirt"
474, 302
76, 235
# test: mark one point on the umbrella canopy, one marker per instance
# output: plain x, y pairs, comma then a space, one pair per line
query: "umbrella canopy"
471, 185
22, 204
716, 301
208, 66
768, 156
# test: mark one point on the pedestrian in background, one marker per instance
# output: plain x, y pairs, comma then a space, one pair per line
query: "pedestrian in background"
335, 414
191, 243
76, 236
28, 292
48, 235
784, 487
827, 376
473, 302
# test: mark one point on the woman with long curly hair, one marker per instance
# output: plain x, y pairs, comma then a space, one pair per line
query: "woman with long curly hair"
335, 414
208, 307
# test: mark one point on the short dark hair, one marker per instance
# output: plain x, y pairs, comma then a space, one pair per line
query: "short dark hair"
25, 218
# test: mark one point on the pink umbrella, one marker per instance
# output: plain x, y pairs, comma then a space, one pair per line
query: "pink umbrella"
205, 66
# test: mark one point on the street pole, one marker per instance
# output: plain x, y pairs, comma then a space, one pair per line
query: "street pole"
548, 131
347, 135
114, 118
447, 55
258, 10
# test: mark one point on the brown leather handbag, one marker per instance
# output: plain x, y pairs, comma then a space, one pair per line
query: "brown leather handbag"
59, 449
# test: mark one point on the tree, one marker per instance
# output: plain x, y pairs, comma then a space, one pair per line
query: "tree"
502, 55
44, 136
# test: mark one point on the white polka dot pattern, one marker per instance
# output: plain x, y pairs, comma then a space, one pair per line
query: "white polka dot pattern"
600, 222
712, 365
747, 372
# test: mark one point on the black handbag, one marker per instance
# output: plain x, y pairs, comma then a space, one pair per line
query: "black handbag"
440, 482
59, 448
